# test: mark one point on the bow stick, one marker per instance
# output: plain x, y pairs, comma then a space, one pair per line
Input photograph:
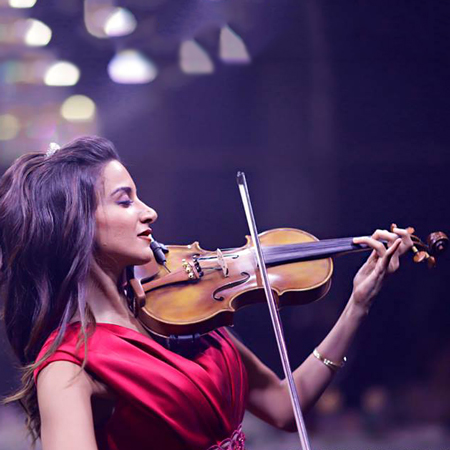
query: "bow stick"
274, 313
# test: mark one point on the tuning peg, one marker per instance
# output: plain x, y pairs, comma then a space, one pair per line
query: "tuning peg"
419, 256
431, 261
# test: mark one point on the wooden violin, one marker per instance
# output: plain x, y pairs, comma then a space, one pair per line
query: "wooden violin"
198, 290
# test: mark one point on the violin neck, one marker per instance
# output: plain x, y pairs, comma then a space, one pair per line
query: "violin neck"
326, 248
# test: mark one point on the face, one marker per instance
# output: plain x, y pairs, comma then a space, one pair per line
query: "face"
120, 218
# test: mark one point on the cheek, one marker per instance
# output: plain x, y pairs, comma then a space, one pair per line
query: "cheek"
113, 232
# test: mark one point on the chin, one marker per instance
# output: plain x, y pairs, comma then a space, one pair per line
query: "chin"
141, 259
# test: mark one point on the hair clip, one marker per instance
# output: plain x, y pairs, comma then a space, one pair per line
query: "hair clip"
52, 149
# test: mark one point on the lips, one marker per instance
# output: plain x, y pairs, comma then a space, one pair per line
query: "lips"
146, 233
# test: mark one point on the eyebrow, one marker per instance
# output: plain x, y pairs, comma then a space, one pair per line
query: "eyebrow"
125, 189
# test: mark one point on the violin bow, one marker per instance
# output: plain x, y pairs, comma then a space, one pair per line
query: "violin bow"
274, 313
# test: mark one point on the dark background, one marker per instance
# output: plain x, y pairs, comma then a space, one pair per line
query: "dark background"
341, 125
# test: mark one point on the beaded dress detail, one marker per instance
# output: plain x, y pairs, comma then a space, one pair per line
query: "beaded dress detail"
235, 442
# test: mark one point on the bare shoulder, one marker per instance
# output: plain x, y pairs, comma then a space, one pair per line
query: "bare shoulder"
67, 375
64, 399
63, 375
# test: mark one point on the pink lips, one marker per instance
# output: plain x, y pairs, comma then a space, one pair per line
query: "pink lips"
146, 232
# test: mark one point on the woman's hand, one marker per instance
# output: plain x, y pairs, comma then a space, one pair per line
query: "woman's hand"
381, 263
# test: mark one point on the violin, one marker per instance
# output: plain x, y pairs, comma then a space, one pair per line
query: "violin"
194, 291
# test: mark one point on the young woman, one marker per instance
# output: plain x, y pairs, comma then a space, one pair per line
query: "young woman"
71, 222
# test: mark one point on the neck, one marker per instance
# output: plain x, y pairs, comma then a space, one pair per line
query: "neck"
105, 299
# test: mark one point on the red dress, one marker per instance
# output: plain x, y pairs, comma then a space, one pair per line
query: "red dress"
164, 401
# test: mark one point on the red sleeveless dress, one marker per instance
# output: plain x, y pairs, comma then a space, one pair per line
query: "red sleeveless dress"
164, 400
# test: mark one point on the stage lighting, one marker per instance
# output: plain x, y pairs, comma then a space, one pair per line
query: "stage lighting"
62, 73
78, 108
37, 34
9, 127
22, 3
232, 47
194, 60
121, 22
131, 67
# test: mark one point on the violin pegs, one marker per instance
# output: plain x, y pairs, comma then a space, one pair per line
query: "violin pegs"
431, 261
420, 256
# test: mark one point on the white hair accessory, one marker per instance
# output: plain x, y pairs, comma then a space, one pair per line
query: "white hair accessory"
52, 149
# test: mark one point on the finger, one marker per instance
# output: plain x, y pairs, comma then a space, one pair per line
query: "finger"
385, 235
406, 237
401, 232
373, 243
390, 253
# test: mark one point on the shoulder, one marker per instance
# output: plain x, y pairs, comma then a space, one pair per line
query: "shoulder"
63, 376
67, 378
64, 394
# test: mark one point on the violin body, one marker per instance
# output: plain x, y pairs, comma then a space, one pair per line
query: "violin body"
224, 281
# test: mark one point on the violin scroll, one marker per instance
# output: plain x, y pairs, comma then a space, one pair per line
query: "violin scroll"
437, 243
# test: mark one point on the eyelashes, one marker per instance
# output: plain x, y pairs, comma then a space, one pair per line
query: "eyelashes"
126, 202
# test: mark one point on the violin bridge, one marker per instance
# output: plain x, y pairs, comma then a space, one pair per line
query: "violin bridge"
222, 263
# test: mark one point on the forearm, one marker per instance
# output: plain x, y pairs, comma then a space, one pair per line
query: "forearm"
312, 377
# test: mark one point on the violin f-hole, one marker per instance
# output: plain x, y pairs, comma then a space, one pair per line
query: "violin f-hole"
230, 285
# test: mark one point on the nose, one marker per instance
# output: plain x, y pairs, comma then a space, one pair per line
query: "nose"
149, 215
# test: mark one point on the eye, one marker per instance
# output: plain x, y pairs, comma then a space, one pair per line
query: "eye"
126, 203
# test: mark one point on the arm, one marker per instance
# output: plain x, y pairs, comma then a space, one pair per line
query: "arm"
65, 407
268, 395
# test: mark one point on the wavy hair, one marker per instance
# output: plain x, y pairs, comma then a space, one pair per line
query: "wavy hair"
47, 229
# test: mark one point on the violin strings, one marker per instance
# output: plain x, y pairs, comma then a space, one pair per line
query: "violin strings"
316, 245
307, 249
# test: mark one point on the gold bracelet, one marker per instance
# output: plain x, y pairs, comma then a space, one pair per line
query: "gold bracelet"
330, 364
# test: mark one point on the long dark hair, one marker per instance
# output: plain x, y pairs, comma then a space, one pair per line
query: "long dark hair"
47, 229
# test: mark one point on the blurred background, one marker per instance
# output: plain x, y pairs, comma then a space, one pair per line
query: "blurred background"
338, 112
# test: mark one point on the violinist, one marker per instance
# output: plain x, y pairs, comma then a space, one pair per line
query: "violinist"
93, 377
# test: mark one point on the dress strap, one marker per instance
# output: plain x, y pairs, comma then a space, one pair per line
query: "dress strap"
235, 442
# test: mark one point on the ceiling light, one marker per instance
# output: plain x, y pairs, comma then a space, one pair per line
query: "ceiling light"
9, 127
22, 3
194, 60
131, 67
78, 108
37, 34
121, 22
62, 73
232, 47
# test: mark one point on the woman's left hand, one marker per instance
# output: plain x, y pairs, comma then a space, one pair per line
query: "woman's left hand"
381, 263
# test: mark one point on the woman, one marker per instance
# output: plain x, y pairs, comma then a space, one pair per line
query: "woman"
93, 378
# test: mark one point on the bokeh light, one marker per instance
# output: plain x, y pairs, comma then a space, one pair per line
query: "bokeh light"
38, 34
96, 15
131, 67
78, 108
22, 3
62, 73
121, 22
232, 47
195, 60
9, 127
330, 402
